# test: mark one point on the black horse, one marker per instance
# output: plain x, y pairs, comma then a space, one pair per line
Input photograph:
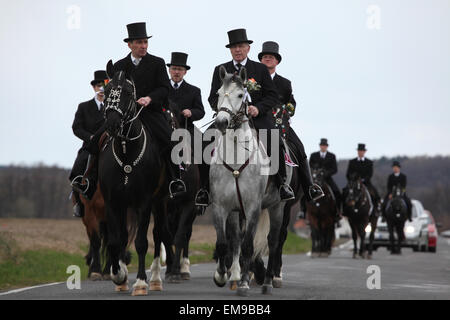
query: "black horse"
132, 180
182, 210
321, 215
396, 215
282, 116
358, 208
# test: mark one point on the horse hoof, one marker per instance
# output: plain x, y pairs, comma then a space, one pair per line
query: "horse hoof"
314, 255
95, 276
185, 276
355, 256
233, 285
267, 289
139, 291
277, 282
174, 278
219, 280
243, 291
156, 286
369, 257
122, 288
106, 277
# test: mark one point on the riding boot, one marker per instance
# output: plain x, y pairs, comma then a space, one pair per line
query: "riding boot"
78, 208
177, 186
285, 190
87, 184
312, 191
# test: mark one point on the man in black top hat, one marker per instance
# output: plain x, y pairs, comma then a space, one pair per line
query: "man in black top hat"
326, 161
152, 89
88, 119
183, 96
271, 58
363, 168
397, 178
262, 102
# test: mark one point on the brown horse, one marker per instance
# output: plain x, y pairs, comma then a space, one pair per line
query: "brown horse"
95, 222
321, 215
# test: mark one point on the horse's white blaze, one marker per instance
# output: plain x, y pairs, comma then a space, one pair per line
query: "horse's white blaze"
140, 284
156, 270
185, 263
121, 275
260, 245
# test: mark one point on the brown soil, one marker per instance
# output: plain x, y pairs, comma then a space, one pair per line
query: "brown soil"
70, 235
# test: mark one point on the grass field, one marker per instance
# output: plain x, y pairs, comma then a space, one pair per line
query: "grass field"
35, 251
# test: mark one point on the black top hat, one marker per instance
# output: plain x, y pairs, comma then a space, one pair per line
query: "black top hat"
179, 59
238, 36
362, 147
396, 164
270, 47
137, 31
323, 142
99, 76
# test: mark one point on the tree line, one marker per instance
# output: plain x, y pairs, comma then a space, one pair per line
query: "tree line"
42, 191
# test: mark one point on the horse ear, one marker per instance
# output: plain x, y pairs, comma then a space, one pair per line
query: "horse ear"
243, 74
110, 69
222, 72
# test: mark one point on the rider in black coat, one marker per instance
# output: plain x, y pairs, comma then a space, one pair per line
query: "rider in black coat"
363, 168
326, 161
397, 179
88, 119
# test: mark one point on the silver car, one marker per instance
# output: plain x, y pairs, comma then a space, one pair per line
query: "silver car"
415, 231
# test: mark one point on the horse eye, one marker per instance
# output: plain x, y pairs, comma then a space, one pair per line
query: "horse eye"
241, 96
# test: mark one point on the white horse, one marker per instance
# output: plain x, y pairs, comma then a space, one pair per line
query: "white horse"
241, 190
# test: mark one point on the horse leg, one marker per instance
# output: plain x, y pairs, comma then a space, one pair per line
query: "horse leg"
233, 231
116, 229
185, 263
277, 280
391, 237
276, 221
355, 239
140, 288
220, 216
362, 236
94, 263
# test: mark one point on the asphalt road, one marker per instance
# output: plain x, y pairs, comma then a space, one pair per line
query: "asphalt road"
409, 276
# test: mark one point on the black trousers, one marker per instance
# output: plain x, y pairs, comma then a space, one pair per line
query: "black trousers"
335, 189
79, 166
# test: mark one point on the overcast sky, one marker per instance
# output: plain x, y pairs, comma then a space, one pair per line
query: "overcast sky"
375, 71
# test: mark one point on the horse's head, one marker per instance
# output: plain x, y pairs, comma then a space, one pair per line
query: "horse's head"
232, 103
355, 189
120, 101
397, 203
318, 175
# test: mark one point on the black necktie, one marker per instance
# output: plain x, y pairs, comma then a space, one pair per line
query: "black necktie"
175, 85
239, 67
102, 108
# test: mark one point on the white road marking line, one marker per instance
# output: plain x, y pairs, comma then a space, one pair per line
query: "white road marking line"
29, 288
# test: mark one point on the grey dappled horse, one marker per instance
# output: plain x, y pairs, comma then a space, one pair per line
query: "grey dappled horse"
241, 190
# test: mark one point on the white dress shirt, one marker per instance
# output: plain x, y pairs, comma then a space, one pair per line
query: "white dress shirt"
243, 63
362, 159
273, 75
323, 154
135, 61
98, 102
173, 83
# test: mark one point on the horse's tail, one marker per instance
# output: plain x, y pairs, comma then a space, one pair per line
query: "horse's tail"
260, 244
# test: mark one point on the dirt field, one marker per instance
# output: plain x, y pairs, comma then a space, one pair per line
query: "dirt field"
70, 235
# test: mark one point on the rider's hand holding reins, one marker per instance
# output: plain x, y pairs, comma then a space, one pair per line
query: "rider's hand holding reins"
144, 101
187, 113
253, 111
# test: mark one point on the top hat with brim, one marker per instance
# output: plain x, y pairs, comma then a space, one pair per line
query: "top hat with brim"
99, 77
396, 164
237, 36
179, 59
362, 147
137, 31
272, 48
323, 142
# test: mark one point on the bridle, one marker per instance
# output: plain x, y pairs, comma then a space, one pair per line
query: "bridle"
357, 199
237, 119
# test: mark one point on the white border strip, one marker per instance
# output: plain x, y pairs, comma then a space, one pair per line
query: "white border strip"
29, 288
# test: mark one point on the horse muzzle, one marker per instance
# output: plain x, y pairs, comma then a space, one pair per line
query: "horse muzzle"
222, 124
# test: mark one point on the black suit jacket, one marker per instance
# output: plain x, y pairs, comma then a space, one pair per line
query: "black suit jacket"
284, 89
88, 119
189, 97
150, 78
329, 164
394, 181
264, 99
363, 168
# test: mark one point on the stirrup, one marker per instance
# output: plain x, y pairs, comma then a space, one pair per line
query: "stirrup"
173, 195
75, 184
318, 189
202, 204
290, 189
